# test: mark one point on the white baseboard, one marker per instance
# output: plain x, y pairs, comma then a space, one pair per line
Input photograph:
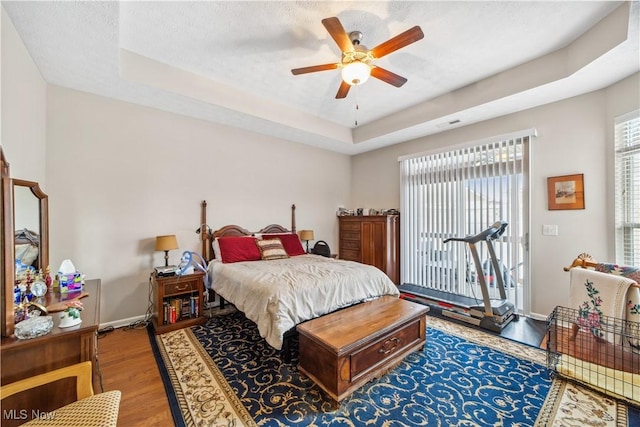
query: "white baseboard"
126, 322
536, 316
122, 322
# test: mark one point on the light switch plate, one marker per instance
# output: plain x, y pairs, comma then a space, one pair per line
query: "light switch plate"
549, 230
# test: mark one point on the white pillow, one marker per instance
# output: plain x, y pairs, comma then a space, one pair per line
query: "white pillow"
216, 250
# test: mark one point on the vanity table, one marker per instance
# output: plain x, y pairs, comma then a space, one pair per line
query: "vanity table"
24, 208
61, 347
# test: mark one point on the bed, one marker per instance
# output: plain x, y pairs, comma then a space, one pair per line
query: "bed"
279, 293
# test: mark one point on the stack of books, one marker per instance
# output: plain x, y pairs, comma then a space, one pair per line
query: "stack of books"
176, 309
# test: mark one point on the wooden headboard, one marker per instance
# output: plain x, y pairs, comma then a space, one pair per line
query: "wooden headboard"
208, 235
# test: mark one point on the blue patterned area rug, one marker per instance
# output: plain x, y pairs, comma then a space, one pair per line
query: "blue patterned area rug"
224, 374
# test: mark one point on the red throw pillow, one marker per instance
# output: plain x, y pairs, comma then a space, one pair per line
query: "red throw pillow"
236, 249
290, 241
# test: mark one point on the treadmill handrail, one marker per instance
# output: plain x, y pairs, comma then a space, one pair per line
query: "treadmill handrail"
491, 233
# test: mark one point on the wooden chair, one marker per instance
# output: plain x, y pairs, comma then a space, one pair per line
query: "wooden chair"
89, 410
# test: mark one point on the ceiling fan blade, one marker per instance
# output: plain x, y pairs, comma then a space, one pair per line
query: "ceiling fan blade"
313, 69
398, 42
336, 30
387, 76
343, 90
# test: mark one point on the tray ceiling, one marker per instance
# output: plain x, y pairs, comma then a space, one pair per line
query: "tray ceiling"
229, 62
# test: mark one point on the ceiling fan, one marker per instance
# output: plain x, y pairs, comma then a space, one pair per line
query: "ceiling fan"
356, 62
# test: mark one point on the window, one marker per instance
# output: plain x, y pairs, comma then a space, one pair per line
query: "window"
461, 193
627, 202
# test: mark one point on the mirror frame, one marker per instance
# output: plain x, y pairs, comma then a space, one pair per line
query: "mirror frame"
43, 201
8, 249
8, 263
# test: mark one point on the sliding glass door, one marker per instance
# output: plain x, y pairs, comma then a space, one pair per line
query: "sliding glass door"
460, 193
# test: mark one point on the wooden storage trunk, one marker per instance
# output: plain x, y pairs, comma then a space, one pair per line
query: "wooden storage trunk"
343, 350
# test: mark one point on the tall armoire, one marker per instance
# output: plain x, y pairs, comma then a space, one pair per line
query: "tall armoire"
373, 240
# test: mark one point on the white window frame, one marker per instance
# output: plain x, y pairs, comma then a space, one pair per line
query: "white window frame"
627, 188
413, 231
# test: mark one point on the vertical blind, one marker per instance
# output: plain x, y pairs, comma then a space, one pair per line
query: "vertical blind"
627, 202
459, 193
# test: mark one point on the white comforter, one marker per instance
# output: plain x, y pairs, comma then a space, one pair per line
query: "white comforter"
279, 294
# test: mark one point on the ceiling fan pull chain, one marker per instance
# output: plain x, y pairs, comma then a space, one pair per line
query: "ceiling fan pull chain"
357, 106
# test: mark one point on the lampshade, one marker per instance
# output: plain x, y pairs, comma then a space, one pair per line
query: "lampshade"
356, 73
306, 234
166, 243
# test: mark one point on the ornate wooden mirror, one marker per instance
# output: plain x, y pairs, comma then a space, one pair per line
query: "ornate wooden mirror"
30, 223
25, 228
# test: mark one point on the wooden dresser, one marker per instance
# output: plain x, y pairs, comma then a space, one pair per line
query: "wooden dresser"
21, 359
373, 240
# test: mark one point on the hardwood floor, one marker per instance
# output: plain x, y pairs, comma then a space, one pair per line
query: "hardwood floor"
127, 364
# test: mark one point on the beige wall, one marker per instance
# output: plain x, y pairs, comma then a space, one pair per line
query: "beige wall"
574, 136
121, 174
23, 111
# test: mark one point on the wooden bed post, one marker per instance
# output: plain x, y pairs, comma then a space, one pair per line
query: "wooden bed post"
204, 231
293, 218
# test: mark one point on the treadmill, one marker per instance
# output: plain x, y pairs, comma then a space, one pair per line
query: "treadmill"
492, 314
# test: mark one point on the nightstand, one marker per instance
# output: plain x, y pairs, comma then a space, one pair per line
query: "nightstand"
178, 301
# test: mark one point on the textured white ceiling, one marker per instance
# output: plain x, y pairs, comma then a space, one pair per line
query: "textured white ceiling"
230, 62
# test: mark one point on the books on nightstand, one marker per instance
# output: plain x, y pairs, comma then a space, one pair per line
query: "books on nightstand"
177, 309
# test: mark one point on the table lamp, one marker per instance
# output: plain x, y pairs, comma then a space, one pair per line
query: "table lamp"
166, 243
306, 235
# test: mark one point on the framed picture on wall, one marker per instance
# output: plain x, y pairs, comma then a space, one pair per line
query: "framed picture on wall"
566, 192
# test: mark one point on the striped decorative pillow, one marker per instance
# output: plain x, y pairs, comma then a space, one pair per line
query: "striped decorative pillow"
271, 249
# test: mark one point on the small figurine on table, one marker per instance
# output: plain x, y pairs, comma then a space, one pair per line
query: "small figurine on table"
47, 278
69, 310
71, 315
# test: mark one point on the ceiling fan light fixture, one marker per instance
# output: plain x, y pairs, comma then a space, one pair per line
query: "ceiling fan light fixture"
356, 61
355, 73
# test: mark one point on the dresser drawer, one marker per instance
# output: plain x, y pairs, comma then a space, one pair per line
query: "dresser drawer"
179, 287
350, 244
350, 235
350, 255
350, 226
385, 348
